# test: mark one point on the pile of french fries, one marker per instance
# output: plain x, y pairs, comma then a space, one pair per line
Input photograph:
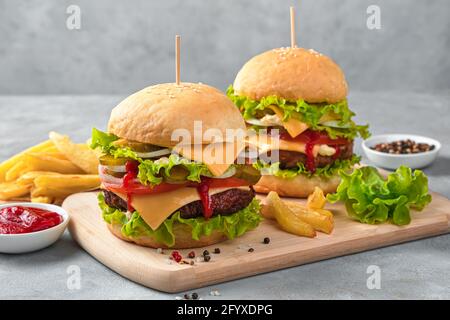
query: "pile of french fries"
49, 171
298, 219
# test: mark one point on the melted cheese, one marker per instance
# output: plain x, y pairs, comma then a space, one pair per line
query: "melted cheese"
293, 126
266, 143
218, 157
154, 209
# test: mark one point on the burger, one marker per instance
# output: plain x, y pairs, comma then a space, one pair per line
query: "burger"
300, 95
158, 194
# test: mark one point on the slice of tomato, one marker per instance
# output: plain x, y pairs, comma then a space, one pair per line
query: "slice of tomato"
319, 137
226, 183
137, 188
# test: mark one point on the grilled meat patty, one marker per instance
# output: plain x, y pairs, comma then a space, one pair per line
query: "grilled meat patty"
224, 203
289, 159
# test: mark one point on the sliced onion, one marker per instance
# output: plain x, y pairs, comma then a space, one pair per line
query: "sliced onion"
335, 124
104, 177
153, 154
258, 122
229, 173
120, 169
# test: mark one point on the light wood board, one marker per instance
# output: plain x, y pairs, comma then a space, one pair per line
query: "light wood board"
149, 268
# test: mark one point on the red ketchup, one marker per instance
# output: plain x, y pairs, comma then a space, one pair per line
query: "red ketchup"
203, 192
132, 169
18, 219
312, 137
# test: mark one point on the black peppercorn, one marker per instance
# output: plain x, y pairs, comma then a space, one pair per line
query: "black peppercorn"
217, 250
266, 240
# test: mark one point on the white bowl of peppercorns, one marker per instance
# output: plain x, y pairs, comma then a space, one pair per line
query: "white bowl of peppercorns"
390, 151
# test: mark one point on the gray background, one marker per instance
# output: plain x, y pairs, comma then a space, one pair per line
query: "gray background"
399, 81
125, 45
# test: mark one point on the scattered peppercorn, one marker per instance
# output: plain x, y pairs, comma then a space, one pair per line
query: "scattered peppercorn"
191, 255
217, 250
251, 250
403, 147
195, 296
266, 240
186, 296
205, 253
192, 262
176, 256
207, 258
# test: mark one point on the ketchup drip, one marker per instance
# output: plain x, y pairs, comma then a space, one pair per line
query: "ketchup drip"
132, 169
203, 192
312, 138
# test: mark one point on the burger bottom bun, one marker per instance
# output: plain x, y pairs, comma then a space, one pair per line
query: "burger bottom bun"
300, 187
183, 238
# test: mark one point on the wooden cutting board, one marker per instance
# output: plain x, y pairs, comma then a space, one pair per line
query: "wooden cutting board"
149, 268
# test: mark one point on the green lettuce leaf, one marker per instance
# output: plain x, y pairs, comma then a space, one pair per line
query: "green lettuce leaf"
232, 225
369, 198
305, 112
326, 172
150, 171
102, 140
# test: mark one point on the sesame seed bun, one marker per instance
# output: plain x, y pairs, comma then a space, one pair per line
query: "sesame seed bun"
292, 74
152, 114
182, 234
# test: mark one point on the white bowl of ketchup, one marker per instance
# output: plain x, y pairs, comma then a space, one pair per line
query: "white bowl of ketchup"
30, 240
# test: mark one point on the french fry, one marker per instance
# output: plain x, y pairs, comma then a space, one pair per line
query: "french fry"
319, 221
316, 200
325, 212
54, 154
288, 221
42, 200
80, 154
12, 190
28, 178
8, 164
62, 185
40, 162
15, 171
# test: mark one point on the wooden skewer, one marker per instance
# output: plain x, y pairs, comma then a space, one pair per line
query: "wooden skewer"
177, 59
293, 43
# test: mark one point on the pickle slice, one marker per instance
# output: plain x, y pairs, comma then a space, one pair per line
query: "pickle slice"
177, 174
247, 173
114, 173
137, 146
108, 160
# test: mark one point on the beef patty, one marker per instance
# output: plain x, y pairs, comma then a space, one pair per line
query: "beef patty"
289, 159
224, 203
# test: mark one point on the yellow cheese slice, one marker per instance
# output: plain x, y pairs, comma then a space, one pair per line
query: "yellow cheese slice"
266, 143
293, 126
154, 209
216, 156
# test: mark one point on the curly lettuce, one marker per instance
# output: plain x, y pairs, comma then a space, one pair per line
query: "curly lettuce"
311, 114
150, 171
324, 172
134, 226
369, 198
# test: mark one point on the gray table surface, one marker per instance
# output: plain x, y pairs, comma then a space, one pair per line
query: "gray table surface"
414, 270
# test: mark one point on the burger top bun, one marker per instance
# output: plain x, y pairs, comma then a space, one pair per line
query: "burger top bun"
152, 114
292, 74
